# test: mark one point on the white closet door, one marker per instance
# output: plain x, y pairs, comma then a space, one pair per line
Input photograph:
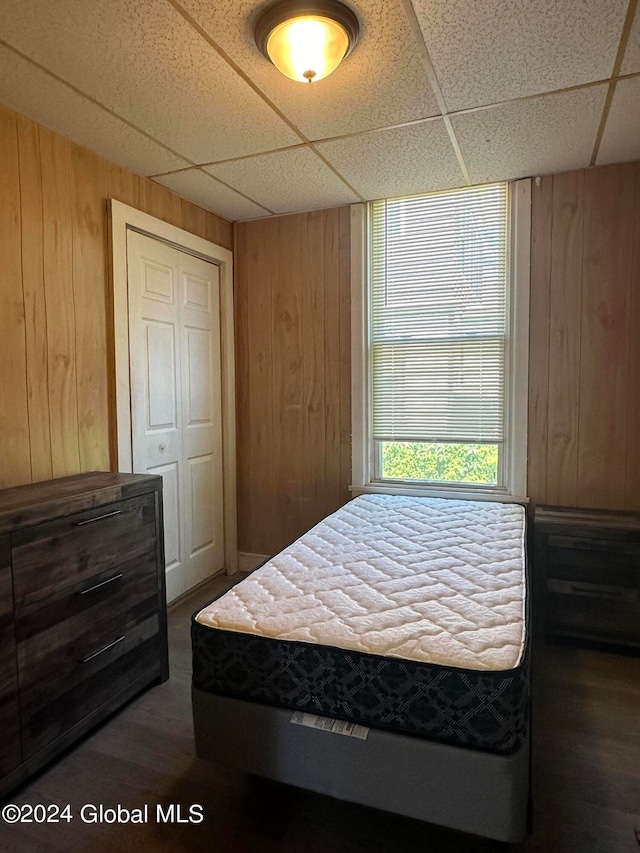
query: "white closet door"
174, 345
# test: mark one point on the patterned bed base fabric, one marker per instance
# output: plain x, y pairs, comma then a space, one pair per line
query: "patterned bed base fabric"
485, 710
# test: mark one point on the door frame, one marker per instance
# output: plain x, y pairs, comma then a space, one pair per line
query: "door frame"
123, 218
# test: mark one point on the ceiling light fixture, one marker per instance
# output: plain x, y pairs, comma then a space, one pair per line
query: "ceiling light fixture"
306, 41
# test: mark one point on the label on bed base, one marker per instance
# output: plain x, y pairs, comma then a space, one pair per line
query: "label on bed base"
327, 724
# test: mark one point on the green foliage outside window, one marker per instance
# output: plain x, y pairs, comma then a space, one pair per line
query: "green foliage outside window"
451, 463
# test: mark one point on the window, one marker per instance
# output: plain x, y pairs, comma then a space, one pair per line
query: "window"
440, 342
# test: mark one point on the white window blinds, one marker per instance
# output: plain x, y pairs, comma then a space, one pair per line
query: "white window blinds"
438, 316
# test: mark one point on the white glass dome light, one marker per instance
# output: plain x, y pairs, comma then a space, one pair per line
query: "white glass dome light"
307, 41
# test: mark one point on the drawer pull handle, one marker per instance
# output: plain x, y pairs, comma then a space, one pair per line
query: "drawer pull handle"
98, 585
97, 518
103, 649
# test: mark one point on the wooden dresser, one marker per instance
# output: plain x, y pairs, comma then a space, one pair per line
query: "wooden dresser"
590, 562
82, 609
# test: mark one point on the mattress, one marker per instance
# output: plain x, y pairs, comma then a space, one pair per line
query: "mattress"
400, 613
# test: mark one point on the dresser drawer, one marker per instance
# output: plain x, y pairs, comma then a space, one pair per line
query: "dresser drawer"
70, 550
589, 564
69, 625
10, 747
54, 703
593, 611
10, 751
598, 561
82, 609
8, 682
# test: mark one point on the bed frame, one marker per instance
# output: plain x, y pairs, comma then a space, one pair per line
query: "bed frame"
465, 789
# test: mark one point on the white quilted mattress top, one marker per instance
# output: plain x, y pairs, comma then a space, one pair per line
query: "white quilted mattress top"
425, 579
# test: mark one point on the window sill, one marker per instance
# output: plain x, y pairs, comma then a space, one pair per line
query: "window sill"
453, 493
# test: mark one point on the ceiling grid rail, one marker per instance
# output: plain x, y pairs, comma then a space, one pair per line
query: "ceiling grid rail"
333, 173
435, 86
617, 65
224, 55
128, 123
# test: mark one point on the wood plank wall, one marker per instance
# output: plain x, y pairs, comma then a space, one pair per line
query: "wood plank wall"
292, 326
57, 409
293, 374
584, 378
584, 383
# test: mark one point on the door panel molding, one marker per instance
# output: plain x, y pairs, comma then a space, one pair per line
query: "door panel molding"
123, 218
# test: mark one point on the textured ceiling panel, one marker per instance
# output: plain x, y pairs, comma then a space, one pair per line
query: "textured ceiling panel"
621, 139
631, 59
381, 82
531, 137
205, 191
30, 91
144, 61
160, 66
286, 181
495, 50
397, 162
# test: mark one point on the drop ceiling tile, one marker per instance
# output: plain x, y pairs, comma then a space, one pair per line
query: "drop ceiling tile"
36, 94
621, 138
496, 50
286, 181
631, 59
205, 191
382, 82
397, 162
552, 133
145, 62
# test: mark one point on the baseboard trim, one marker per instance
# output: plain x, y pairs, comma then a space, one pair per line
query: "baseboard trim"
249, 562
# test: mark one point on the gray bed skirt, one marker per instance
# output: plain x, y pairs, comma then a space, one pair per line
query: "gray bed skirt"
468, 790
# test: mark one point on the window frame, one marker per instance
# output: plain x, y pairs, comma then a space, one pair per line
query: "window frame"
514, 456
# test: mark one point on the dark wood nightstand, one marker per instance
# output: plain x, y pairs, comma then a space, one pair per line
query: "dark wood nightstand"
590, 563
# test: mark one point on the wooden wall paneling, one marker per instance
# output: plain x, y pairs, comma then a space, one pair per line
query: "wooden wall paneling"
540, 294
219, 231
58, 285
293, 374
632, 466
261, 267
163, 204
565, 337
344, 277
14, 415
122, 185
288, 396
604, 370
194, 218
56, 349
313, 287
92, 321
331, 347
34, 300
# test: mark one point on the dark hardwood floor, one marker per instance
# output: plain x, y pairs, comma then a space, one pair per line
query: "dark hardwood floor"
586, 775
